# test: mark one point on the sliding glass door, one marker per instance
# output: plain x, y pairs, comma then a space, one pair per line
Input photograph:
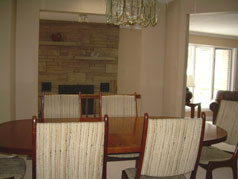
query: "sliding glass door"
222, 70
210, 69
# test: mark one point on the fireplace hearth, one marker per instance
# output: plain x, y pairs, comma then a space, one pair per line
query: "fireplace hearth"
75, 89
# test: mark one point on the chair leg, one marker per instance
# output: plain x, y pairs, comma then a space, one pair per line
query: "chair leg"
124, 175
137, 162
214, 165
234, 169
208, 174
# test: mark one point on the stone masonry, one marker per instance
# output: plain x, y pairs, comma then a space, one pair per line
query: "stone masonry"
85, 54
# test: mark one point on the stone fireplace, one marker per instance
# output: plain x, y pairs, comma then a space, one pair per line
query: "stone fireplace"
85, 54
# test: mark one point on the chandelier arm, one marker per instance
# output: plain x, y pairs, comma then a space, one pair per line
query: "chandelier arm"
139, 5
154, 22
122, 16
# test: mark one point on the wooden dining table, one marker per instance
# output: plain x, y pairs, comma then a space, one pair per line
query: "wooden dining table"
124, 135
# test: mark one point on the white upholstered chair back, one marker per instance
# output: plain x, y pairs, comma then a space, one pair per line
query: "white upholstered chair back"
171, 147
61, 106
119, 105
69, 150
227, 118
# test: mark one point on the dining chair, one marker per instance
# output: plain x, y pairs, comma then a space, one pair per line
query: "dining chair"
69, 149
60, 106
12, 167
213, 157
90, 105
120, 105
170, 148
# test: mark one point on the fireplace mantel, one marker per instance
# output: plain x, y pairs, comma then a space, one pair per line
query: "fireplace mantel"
75, 44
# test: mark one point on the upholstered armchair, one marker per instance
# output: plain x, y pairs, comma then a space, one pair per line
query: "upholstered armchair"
224, 95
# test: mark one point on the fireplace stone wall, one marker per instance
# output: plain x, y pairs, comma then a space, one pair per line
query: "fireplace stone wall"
73, 53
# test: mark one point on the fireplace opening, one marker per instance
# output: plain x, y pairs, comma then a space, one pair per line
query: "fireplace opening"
83, 89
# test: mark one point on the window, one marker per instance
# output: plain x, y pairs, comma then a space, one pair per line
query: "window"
209, 69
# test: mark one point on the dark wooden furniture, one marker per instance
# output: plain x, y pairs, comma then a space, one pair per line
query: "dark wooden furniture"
86, 144
124, 135
226, 160
90, 105
163, 153
193, 106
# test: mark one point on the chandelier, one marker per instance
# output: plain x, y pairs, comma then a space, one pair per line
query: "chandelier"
132, 12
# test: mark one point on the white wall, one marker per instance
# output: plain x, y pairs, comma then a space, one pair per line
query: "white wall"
7, 60
152, 66
129, 61
175, 60
27, 33
176, 47
140, 64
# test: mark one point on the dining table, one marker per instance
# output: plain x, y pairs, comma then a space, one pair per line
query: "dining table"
125, 134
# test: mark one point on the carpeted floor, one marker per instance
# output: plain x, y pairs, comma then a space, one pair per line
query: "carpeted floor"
114, 170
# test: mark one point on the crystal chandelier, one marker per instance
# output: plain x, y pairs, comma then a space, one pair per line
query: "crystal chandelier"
132, 12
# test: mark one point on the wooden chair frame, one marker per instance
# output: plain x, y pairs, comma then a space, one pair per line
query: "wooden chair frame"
232, 162
87, 97
42, 106
106, 128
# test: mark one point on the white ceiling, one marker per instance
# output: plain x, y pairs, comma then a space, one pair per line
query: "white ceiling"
220, 24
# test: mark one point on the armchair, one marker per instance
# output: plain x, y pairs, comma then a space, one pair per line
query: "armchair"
224, 95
